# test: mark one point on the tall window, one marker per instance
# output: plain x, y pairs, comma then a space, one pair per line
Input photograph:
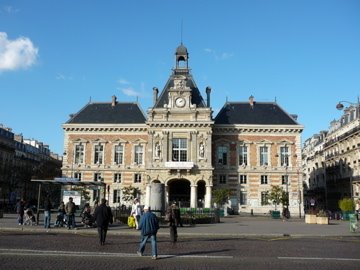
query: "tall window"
116, 195
137, 178
98, 154
264, 179
98, 177
79, 154
243, 197
117, 177
284, 156
78, 176
119, 154
139, 153
222, 179
222, 152
284, 179
243, 155
264, 198
243, 179
264, 156
179, 149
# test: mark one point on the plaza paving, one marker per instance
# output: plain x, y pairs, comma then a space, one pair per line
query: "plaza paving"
231, 226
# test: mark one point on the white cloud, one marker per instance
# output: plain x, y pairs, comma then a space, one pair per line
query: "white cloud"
130, 92
221, 56
16, 54
123, 81
63, 77
10, 10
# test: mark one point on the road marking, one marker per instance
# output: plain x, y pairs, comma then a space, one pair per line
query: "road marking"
318, 259
29, 252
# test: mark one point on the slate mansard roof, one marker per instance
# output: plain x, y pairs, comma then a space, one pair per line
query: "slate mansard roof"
196, 97
106, 113
260, 113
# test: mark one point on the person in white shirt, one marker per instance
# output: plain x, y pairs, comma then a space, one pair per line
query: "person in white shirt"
136, 212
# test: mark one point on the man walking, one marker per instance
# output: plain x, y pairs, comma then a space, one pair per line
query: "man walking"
103, 217
47, 212
149, 226
70, 209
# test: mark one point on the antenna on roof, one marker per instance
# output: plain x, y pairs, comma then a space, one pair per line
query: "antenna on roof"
226, 99
181, 32
275, 99
90, 99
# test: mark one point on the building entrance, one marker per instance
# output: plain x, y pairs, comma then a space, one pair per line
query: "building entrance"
179, 191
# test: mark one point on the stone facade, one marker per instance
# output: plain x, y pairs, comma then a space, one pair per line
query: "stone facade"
331, 161
180, 146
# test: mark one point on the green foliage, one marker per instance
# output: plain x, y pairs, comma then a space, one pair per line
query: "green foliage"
85, 194
130, 193
322, 213
277, 195
346, 205
221, 195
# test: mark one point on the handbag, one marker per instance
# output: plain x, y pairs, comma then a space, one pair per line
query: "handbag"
131, 222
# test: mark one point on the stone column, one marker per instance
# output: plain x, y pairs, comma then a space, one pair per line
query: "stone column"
208, 196
193, 196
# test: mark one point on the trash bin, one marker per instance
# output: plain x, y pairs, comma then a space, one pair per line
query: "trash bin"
275, 214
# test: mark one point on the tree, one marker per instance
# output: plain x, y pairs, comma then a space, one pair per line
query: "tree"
277, 195
130, 193
221, 195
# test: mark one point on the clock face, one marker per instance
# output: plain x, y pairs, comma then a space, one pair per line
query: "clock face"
180, 102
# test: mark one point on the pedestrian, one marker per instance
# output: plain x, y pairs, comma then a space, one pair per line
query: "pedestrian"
70, 209
176, 213
20, 211
149, 226
170, 217
136, 212
103, 217
47, 212
60, 218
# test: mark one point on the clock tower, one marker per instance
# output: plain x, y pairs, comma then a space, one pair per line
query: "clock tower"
180, 137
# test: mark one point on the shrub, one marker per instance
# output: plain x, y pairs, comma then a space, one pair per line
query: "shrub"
346, 205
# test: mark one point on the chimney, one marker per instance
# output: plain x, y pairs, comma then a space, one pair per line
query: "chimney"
251, 101
155, 94
113, 101
208, 91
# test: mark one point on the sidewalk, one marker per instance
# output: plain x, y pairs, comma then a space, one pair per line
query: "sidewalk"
231, 226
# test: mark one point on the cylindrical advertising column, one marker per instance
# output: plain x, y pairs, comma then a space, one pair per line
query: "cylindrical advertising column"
157, 198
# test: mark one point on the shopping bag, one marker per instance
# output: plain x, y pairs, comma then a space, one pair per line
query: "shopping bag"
131, 222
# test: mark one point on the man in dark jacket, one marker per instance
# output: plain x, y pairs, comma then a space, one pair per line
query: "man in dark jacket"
149, 226
103, 217
47, 212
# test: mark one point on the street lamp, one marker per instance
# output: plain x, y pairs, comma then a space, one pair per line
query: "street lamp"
340, 104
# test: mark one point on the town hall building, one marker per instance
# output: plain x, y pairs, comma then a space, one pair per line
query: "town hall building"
178, 151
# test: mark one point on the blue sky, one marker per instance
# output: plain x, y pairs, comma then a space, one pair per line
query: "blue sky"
57, 55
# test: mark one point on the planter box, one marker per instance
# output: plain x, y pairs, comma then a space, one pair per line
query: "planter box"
310, 219
322, 220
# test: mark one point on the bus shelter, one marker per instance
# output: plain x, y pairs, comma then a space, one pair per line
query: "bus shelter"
65, 182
